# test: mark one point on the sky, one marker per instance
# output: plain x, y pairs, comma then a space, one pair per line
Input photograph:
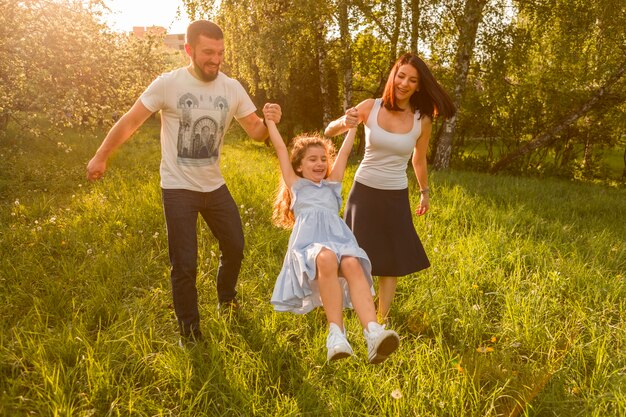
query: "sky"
128, 13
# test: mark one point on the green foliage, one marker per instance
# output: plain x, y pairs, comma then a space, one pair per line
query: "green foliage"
523, 305
545, 64
57, 60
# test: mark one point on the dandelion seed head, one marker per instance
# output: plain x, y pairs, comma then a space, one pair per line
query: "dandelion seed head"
396, 394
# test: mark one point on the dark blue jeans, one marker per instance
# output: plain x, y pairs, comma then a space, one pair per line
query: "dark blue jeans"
219, 211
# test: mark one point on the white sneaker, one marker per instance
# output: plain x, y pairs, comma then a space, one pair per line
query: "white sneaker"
380, 342
337, 344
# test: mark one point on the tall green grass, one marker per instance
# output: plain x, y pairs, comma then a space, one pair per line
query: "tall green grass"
522, 312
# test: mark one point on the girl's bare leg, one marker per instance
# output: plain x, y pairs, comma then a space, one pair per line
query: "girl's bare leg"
360, 292
330, 289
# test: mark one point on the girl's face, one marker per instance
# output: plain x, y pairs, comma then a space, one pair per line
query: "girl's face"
314, 165
406, 82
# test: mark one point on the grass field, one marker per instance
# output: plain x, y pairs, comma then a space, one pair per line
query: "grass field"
610, 161
522, 313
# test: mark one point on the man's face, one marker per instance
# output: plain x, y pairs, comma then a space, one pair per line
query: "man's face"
207, 57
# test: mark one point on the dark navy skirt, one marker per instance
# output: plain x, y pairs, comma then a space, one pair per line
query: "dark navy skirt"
382, 222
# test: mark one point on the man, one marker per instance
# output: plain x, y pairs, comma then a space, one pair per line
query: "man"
197, 104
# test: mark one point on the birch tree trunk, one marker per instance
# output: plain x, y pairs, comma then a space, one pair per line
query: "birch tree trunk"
346, 46
415, 25
472, 16
392, 36
321, 60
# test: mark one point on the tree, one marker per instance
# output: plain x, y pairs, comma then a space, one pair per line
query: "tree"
566, 83
468, 27
543, 138
59, 63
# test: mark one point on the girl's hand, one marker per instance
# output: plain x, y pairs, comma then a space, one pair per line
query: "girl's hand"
272, 112
351, 119
424, 205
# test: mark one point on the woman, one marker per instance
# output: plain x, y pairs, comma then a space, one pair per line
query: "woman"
397, 126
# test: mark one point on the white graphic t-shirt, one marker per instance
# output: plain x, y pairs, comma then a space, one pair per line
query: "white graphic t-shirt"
194, 117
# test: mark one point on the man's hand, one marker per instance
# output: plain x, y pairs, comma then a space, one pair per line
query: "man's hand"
272, 111
96, 168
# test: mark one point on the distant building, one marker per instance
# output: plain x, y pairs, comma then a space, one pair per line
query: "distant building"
172, 41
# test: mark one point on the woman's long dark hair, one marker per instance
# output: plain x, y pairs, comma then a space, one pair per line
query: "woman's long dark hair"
430, 98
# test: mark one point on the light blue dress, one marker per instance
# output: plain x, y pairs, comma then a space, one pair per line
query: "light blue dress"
317, 226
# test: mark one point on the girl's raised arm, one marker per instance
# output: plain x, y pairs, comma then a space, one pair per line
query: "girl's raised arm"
341, 161
283, 154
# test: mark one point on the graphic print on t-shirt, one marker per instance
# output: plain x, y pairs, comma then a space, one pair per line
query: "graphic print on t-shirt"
200, 129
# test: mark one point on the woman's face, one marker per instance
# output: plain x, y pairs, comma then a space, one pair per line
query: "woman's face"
406, 82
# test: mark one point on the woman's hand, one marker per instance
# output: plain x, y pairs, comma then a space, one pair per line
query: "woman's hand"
351, 118
423, 206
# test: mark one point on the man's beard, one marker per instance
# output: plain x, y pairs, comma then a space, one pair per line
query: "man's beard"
203, 75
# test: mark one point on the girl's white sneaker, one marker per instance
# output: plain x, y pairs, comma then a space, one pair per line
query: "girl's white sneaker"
337, 344
380, 342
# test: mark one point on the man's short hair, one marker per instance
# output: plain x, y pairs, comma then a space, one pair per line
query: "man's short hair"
199, 28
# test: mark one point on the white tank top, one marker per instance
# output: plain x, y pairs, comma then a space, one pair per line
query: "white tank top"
386, 154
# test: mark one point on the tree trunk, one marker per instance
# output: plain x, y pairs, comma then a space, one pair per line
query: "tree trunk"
588, 157
624, 171
4, 122
415, 25
321, 60
544, 137
346, 61
472, 16
392, 36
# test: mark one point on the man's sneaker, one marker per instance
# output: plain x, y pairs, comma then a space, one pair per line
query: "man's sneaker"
189, 341
380, 342
337, 344
228, 308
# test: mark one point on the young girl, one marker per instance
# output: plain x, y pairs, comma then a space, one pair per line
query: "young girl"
323, 265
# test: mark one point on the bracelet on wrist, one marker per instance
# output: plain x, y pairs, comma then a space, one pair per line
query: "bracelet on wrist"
264, 122
425, 191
